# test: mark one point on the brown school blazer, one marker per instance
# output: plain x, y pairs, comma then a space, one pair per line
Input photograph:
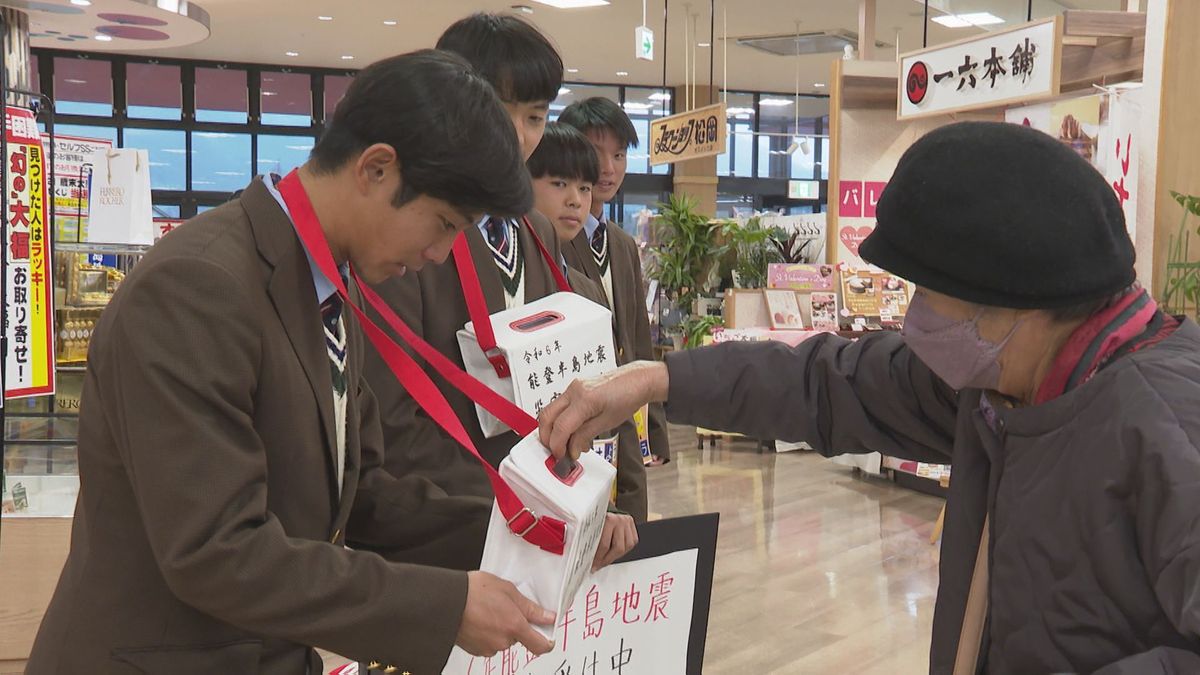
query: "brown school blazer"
432, 303
633, 326
208, 536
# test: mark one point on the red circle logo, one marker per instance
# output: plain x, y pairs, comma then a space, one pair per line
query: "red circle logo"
917, 83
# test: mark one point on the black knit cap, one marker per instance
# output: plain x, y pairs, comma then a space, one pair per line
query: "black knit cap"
1002, 215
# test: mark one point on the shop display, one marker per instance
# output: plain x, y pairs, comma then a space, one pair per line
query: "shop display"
73, 184
824, 311
801, 277
87, 281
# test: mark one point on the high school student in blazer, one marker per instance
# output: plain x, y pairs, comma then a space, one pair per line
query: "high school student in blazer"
228, 439
609, 255
564, 170
527, 73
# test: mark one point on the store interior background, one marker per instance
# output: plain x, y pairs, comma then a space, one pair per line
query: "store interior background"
820, 566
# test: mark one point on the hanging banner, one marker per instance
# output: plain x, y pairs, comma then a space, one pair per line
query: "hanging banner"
645, 614
1010, 66
689, 135
1120, 136
73, 184
30, 360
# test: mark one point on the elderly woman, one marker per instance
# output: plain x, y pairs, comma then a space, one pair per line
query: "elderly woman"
1067, 402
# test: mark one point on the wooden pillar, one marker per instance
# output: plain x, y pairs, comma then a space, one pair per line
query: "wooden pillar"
866, 30
697, 178
1169, 152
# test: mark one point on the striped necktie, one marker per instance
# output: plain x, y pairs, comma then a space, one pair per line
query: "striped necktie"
599, 243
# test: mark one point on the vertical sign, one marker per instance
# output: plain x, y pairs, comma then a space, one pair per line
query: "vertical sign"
30, 360
1119, 139
1010, 66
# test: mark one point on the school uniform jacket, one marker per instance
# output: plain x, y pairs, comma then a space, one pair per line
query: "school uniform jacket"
432, 303
208, 535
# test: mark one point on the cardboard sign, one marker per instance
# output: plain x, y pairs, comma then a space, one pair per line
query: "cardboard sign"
801, 277
29, 290
696, 133
824, 311
73, 184
784, 309
549, 344
997, 68
647, 613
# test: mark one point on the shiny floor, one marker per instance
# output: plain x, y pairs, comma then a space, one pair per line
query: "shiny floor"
819, 570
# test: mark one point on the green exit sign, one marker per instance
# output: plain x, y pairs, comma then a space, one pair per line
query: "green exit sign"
644, 41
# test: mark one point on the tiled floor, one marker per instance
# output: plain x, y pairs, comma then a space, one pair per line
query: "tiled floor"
818, 570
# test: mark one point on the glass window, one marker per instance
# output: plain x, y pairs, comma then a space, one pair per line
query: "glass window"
738, 159
287, 99
153, 92
571, 93
222, 96
335, 89
166, 210
644, 105
35, 76
220, 161
81, 131
83, 87
632, 205
168, 156
281, 154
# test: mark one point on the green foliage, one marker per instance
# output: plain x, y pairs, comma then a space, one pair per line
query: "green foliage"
1182, 292
687, 250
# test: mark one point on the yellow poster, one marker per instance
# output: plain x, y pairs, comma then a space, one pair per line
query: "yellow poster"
30, 364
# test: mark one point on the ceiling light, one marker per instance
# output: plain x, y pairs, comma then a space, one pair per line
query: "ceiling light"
622, 73
819, 85
347, 57
325, 18
293, 53
573, 4
660, 96
572, 70
104, 38
270, 93
523, 9
71, 80
563, 91
634, 105
390, 22
82, 3
775, 102
742, 117
739, 111
968, 20
703, 44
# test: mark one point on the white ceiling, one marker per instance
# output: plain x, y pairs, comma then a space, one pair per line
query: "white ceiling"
597, 41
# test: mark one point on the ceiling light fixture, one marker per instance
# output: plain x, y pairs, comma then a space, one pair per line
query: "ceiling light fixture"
775, 102
968, 20
347, 57
82, 3
523, 9
660, 96
563, 91
622, 73
325, 18
636, 105
572, 70
390, 22
573, 4
739, 111
819, 85
104, 38
292, 53
703, 44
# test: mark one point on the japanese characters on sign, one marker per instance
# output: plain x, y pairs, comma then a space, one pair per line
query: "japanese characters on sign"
1019, 64
73, 184
696, 133
627, 619
30, 364
549, 368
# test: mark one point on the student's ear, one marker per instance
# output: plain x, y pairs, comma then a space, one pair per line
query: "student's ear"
375, 165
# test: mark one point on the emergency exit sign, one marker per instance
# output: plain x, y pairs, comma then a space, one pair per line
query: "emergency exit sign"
644, 39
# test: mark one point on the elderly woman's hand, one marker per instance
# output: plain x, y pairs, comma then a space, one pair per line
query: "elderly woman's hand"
590, 407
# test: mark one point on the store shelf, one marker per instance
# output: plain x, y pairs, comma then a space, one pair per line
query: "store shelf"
112, 249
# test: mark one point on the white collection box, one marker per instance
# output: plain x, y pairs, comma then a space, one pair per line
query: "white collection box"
547, 344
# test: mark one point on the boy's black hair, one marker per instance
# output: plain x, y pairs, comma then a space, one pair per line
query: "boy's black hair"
453, 138
601, 114
564, 153
510, 53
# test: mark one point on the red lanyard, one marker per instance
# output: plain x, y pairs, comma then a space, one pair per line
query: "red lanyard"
481, 319
544, 532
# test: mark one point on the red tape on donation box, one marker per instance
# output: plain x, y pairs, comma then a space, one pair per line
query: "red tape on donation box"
547, 344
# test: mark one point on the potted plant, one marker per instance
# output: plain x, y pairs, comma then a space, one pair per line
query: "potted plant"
791, 248
750, 251
1181, 296
684, 258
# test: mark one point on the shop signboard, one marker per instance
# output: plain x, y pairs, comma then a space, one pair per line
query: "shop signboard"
646, 614
689, 135
30, 359
73, 183
1005, 67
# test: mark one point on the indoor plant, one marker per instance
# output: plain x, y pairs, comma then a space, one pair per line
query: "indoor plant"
685, 256
751, 250
1181, 295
